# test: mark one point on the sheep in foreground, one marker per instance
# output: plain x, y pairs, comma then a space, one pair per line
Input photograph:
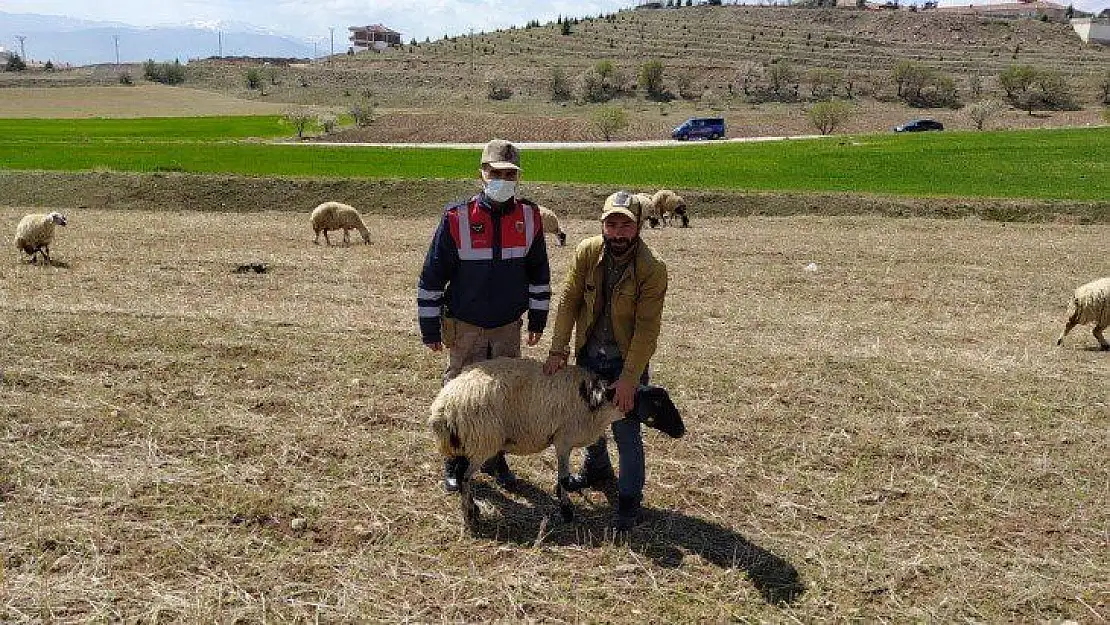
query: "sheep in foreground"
670, 204
551, 225
35, 233
509, 404
1090, 304
337, 216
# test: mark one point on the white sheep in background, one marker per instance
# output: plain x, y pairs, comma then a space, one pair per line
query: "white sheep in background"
337, 216
670, 204
509, 404
1090, 304
648, 211
551, 225
35, 233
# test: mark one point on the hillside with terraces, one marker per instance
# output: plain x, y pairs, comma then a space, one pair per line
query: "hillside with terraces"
709, 44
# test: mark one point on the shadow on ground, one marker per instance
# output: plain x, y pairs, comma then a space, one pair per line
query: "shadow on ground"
665, 536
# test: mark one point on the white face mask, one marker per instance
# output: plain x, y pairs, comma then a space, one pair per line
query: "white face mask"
500, 190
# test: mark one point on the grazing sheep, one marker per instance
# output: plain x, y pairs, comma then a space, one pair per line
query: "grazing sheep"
509, 404
1090, 304
670, 204
648, 210
551, 225
336, 216
35, 233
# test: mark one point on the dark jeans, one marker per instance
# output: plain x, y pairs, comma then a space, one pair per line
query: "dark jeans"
626, 432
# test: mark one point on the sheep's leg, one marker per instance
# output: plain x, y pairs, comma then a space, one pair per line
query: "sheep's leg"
347, 237
464, 472
1067, 328
1100, 338
316, 241
326, 239
561, 490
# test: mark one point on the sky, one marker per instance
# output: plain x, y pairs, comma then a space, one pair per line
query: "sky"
311, 20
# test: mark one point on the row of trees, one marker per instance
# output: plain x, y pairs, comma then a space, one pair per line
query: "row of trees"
911, 82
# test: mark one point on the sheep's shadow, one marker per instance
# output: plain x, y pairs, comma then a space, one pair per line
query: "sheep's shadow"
665, 537
56, 264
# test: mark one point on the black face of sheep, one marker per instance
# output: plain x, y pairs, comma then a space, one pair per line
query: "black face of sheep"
655, 409
595, 393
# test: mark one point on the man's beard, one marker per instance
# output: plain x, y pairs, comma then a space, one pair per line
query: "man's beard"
619, 245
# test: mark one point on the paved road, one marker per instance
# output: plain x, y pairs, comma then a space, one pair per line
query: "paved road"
565, 145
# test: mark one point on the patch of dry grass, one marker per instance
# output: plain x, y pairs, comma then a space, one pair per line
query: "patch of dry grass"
895, 433
142, 100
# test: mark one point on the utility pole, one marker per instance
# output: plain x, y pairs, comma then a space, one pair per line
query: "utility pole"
220, 40
331, 30
115, 39
22, 53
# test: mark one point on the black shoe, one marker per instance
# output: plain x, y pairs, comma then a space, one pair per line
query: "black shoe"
450, 477
588, 479
629, 514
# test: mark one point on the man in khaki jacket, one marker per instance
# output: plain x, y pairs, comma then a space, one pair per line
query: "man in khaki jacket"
613, 299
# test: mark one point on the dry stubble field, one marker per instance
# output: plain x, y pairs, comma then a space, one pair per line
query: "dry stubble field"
893, 436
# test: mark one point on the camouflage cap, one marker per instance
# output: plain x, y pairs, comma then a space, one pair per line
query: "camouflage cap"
500, 154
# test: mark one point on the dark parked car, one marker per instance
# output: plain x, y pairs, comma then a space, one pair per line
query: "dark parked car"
919, 125
700, 128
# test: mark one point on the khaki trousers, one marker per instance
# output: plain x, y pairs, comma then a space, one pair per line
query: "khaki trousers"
468, 344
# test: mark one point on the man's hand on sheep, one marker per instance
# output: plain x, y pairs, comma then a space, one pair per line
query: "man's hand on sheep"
625, 397
534, 338
554, 363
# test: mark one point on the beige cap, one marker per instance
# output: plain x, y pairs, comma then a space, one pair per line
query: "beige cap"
500, 154
624, 203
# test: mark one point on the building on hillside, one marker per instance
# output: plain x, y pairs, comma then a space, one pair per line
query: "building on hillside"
1092, 30
5, 56
374, 36
1035, 9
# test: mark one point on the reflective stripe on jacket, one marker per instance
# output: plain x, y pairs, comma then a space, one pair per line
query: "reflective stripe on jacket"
637, 306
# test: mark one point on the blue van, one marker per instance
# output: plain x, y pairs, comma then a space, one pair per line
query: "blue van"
700, 128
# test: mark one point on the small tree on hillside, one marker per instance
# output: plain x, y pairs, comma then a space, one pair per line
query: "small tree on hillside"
362, 113
824, 82
685, 83
981, 112
498, 87
1015, 80
254, 78
828, 116
1104, 88
15, 64
1106, 115
651, 79
560, 85
748, 75
783, 80
299, 120
609, 120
